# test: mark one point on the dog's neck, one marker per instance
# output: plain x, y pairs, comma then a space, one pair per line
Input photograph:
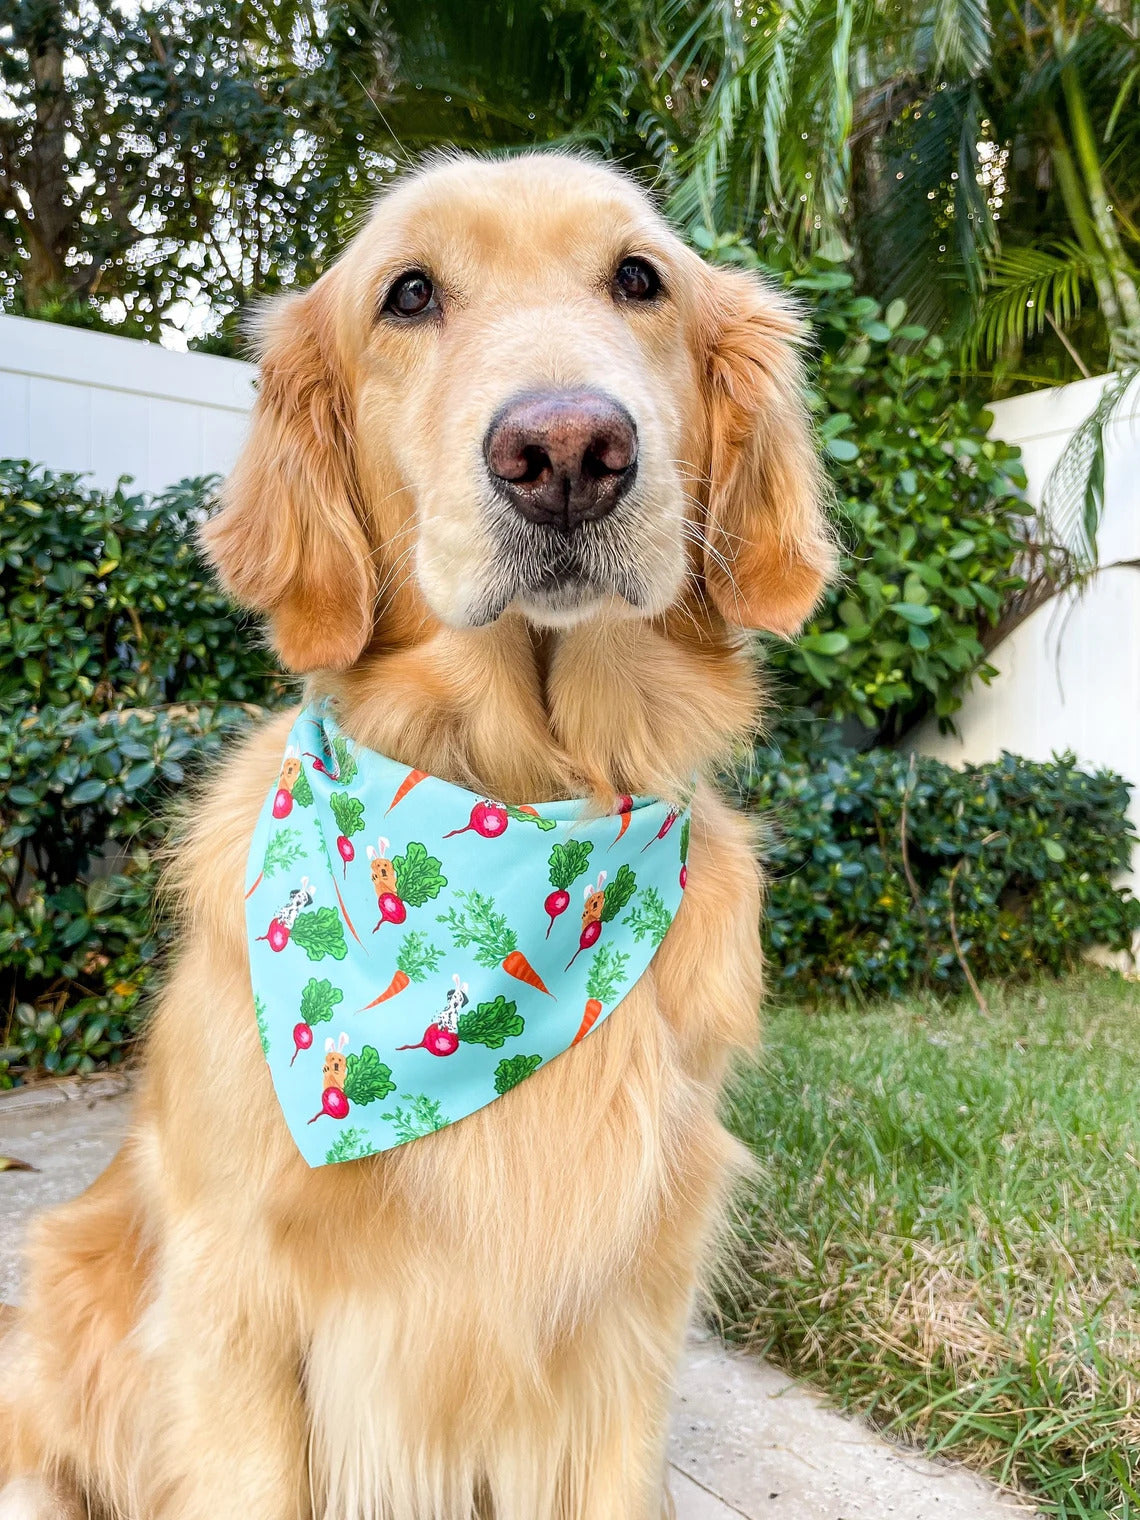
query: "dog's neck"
612, 705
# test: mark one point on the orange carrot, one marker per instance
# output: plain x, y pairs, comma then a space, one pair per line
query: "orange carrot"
621, 827
589, 1019
397, 984
257, 883
517, 965
413, 778
530, 811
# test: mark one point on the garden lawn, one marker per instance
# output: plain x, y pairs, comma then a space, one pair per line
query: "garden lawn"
944, 1227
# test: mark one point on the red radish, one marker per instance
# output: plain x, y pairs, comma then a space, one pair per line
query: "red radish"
670, 819
684, 877
302, 1039
278, 935
590, 935
556, 904
437, 1040
334, 1103
345, 850
392, 909
319, 765
282, 803
488, 819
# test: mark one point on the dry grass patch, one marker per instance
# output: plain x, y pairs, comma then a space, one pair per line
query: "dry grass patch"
945, 1228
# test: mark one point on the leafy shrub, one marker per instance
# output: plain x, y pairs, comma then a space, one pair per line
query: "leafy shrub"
115, 655
877, 860
928, 510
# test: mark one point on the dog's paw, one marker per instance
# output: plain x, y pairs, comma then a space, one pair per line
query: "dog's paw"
34, 1499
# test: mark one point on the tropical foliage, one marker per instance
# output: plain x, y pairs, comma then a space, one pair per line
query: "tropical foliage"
977, 158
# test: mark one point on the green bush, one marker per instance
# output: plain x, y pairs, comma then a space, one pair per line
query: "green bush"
877, 860
929, 515
120, 667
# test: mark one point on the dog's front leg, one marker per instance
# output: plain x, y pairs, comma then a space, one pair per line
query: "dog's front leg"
231, 1435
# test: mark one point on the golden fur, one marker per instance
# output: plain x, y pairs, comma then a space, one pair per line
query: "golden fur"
484, 1323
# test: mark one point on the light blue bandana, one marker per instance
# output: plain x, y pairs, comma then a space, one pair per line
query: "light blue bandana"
417, 950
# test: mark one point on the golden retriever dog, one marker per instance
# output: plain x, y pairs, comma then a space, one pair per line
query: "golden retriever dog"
521, 472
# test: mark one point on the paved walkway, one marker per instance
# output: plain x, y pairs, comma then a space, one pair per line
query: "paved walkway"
747, 1441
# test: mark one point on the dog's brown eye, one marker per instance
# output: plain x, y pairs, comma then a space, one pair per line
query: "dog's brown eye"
636, 280
412, 295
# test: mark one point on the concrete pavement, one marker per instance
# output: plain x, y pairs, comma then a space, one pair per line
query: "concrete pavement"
748, 1443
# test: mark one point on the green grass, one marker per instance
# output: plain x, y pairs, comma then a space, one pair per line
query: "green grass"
944, 1228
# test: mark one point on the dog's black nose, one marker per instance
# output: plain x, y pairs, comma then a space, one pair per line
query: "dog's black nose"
562, 457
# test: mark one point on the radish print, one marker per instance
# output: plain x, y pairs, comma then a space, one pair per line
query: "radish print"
567, 862
302, 1039
670, 819
489, 819
407, 881
602, 904
318, 999
290, 771
319, 765
684, 876
351, 1079
489, 1024
349, 814
437, 1040
281, 925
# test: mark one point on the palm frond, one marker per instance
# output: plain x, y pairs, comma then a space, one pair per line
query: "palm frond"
962, 37
1073, 500
1024, 287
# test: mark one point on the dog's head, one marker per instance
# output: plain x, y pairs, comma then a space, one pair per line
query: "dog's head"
519, 389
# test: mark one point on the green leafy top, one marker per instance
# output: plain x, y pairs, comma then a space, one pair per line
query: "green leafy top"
490, 1023
568, 861
417, 875
649, 916
607, 972
618, 892
481, 926
417, 958
367, 1078
262, 1023
302, 791
423, 1116
350, 1145
512, 1070
348, 812
320, 934
346, 766
283, 850
524, 816
318, 999
685, 828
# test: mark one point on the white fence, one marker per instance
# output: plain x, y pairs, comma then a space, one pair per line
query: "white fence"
1069, 676
89, 401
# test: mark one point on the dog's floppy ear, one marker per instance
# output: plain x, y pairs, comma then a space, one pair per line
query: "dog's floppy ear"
768, 551
289, 540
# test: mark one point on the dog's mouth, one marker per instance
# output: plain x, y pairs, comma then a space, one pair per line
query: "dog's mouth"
557, 577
